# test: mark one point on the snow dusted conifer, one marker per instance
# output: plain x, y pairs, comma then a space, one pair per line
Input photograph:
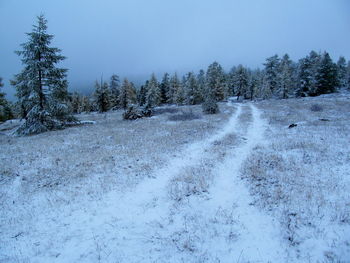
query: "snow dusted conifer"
348, 75
173, 83
102, 96
305, 76
285, 78
327, 76
253, 84
141, 95
114, 87
75, 102
153, 96
201, 84
164, 88
271, 74
192, 92
5, 109
86, 104
342, 72
209, 105
127, 94
215, 78
41, 86
230, 81
241, 82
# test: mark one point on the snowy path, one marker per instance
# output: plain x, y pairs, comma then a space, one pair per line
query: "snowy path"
259, 238
146, 225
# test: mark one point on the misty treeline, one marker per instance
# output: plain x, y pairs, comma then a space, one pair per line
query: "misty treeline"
45, 103
280, 78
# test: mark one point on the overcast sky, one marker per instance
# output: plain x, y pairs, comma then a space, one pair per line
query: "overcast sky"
134, 38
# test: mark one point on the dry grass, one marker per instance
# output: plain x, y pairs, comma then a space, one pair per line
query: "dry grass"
301, 174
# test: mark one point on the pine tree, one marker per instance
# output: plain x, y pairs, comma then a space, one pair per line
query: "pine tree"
173, 89
284, 78
348, 75
114, 86
127, 94
153, 96
180, 92
253, 84
305, 76
141, 95
241, 82
164, 88
327, 76
230, 81
215, 78
86, 104
209, 105
315, 60
5, 109
271, 74
41, 86
342, 72
192, 93
102, 96
201, 79
75, 102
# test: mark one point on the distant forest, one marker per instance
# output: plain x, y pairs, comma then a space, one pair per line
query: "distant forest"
45, 103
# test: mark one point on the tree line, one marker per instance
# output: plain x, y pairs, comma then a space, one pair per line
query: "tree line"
45, 103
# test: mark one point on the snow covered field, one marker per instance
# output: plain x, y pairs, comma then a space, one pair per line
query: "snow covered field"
239, 186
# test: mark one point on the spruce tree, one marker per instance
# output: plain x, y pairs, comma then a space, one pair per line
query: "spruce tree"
102, 96
230, 81
327, 76
141, 95
153, 96
305, 76
209, 105
285, 78
41, 86
342, 72
215, 78
253, 84
164, 88
127, 94
86, 104
348, 76
173, 89
192, 92
75, 103
180, 92
5, 109
271, 74
241, 82
114, 87
201, 80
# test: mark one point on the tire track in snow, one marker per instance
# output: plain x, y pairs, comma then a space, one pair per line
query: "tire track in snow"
131, 214
259, 238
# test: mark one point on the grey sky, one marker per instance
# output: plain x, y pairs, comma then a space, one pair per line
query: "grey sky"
134, 38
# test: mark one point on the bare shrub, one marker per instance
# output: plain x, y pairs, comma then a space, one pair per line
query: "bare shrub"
133, 112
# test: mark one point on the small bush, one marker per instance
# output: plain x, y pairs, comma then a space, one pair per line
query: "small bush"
210, 107
184, 116
133, 112
316, 107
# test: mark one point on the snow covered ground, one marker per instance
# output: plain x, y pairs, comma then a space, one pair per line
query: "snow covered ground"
234, 187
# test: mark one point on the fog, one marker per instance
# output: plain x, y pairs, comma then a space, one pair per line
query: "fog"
135, 38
